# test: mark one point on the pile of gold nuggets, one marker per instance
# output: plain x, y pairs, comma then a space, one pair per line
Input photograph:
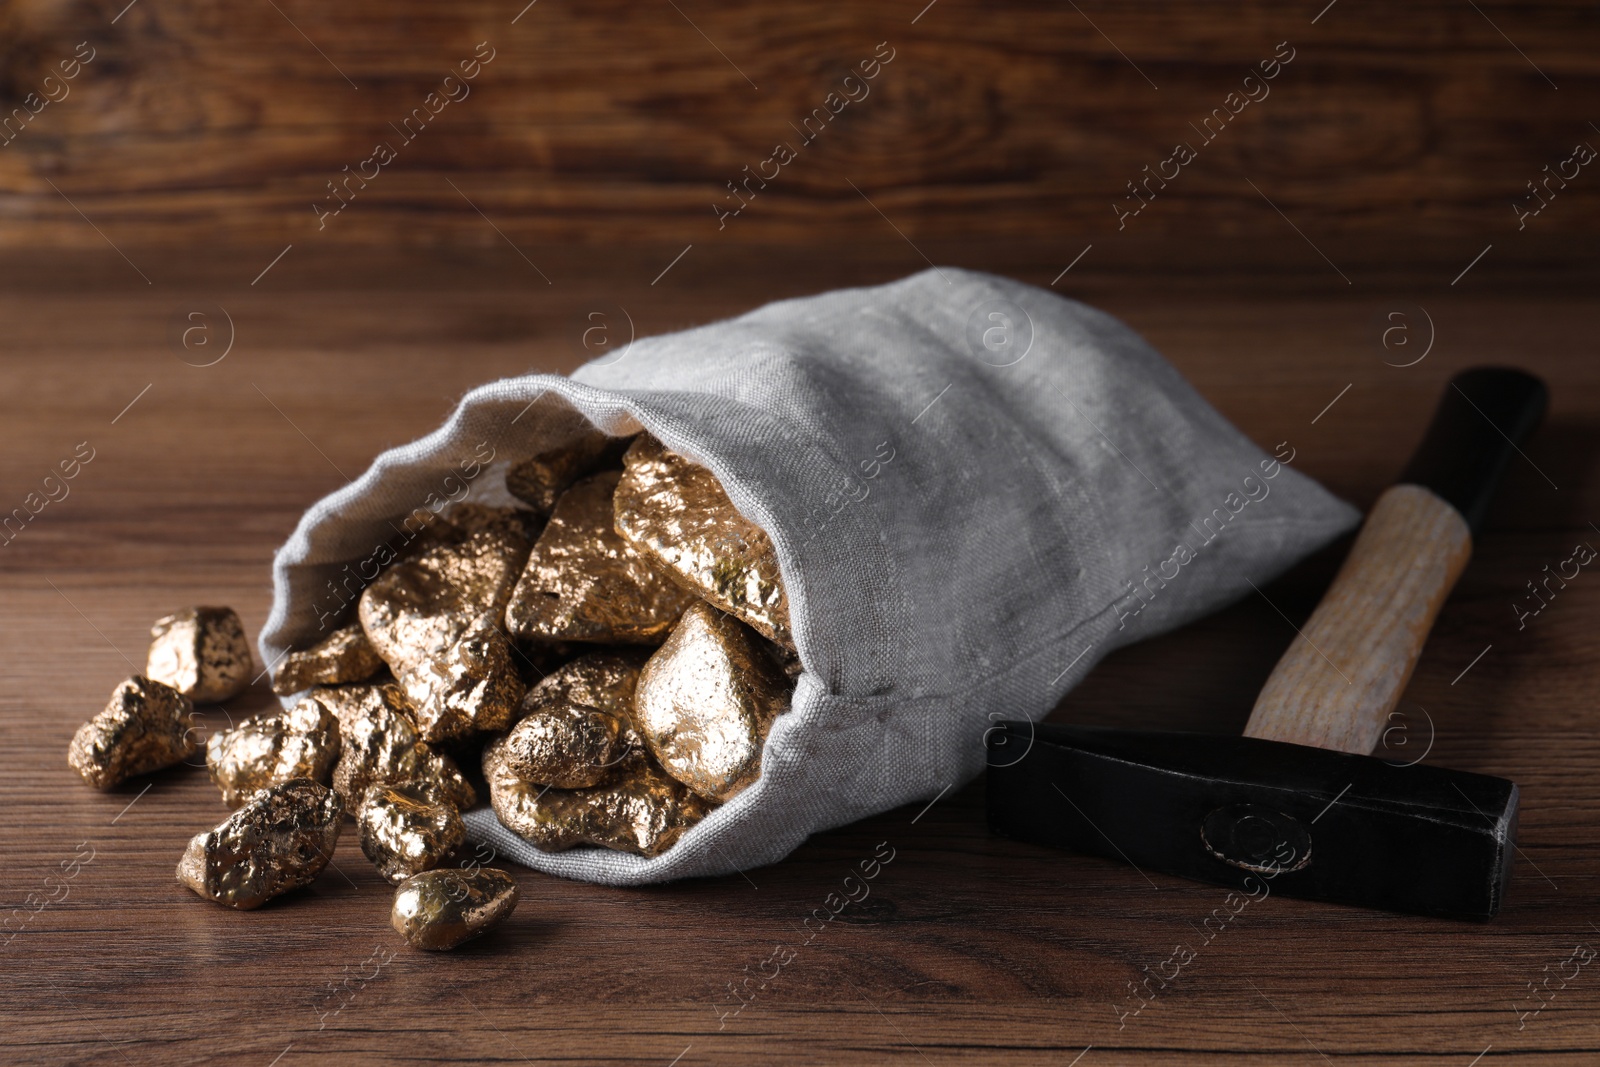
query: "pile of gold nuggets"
612, 656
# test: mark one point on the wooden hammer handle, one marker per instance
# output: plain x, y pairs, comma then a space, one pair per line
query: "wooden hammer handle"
1345, 671
1340, 679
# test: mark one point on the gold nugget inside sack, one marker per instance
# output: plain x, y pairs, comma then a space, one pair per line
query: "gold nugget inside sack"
706, 700
263, 750
202, 653
576, 724
438, 910
603, 680
408, 828
540, 479
437, 620
379, 743
343, 656
583, 582
637, 809
280, 840
677, 513
569, 746
146, 726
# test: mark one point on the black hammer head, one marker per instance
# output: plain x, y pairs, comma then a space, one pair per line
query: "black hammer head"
1307, 822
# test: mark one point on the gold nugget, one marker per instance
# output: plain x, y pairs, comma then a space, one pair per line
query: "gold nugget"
202, 653
146, 726
540, 479
576, 724
263, 750
640, 810
408, 827
677, 513
568, 746
439, 910
583, 582
436, 620
379, 743
603, 680
472, 686
706, 700
343, 656
278, 841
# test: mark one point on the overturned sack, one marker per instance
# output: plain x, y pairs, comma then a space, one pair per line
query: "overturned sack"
974, 489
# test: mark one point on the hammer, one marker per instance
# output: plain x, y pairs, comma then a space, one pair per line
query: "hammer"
1299, 799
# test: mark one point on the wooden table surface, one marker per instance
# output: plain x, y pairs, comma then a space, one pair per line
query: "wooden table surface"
970, 948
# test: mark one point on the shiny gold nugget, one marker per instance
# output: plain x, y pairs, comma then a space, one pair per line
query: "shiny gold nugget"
677, 513
568, 746
603, 680
439, 910
263, 750
408, 828
471, 687
640, 810
571, 742
280, 840
146, 726
379, 743
583, 582
540, 479
343, 656
436, 620
202, 653
706, 700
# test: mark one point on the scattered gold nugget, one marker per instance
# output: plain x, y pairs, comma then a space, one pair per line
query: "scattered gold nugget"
343, 656
202, 653
408, 828
638, 810
438, 910
706, 700
540, 479
379, 743
280, 840
584, 582
677, 513
436, 619
263, 750
146, 726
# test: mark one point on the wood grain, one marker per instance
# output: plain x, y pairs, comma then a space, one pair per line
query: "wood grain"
1338, 683
970, 948
612, 121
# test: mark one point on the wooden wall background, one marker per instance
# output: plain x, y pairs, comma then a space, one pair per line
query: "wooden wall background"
605, 121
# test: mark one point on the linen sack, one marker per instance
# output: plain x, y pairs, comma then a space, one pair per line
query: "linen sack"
976, 489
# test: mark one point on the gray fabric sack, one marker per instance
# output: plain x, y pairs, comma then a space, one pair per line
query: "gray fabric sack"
976, 489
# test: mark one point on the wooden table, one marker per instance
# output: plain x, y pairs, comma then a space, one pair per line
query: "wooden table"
970, 948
